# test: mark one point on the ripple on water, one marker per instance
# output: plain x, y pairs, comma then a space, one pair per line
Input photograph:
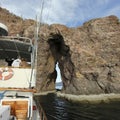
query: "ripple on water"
57, 108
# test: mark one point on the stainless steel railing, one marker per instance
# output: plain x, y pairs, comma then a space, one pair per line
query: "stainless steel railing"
41, 111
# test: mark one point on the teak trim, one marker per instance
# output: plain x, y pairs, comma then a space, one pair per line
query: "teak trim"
20, 89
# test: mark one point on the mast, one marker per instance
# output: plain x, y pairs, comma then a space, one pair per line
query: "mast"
35, 46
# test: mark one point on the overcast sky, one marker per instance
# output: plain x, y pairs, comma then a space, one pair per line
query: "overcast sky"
71, 13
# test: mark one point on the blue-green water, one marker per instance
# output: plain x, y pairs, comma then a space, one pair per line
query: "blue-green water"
60, 109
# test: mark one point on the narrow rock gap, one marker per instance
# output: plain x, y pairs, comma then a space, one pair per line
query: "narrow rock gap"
61, 54
58, 83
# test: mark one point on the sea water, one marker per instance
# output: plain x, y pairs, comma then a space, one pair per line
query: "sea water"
57, 108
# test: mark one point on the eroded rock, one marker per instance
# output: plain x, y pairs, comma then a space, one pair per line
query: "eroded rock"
88, 56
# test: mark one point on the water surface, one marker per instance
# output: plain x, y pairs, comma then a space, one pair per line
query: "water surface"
60, 109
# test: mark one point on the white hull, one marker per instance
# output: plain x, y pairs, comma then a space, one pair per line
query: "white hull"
21, 78
17, 83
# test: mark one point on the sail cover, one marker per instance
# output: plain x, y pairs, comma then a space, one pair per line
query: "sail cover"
14, 47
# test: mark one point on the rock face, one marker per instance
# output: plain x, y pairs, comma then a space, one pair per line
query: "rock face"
16, 25
88, 56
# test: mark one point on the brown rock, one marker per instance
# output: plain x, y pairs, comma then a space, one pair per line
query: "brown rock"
88, 56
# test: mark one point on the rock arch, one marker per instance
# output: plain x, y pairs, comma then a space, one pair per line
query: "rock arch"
58, 52
88, 57
61, 54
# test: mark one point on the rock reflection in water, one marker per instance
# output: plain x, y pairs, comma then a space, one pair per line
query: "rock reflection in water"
60, 109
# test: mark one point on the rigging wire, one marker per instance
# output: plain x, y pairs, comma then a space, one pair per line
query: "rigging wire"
17, 49
39, 21
48, 11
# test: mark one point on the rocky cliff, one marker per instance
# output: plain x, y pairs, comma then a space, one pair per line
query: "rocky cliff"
88, 56
16, 25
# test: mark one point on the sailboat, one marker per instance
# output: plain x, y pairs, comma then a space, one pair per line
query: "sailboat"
17, 83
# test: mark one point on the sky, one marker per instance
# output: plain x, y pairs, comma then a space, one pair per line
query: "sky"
72, 13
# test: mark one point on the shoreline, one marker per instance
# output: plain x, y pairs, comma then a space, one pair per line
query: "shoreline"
92, 99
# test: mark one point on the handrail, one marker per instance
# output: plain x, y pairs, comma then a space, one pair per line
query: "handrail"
41, 111
23, 39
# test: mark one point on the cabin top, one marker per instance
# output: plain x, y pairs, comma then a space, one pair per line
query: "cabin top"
12, 47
